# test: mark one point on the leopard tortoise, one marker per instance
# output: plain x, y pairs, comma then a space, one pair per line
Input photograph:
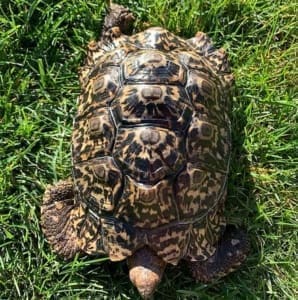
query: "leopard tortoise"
151, 152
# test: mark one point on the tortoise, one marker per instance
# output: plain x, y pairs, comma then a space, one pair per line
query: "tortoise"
151, 148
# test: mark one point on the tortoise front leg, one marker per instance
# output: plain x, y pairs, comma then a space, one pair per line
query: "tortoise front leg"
231, 251
58, 218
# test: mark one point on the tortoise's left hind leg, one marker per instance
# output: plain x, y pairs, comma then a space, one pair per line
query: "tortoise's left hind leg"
58, 213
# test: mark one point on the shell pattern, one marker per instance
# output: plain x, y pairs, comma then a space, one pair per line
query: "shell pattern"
151, 146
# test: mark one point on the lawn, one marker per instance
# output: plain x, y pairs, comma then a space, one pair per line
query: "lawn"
42, 44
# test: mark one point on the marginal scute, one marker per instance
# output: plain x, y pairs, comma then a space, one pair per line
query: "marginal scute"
217, 59
119, 239
205, 233
170, 243
98, 183
89, 233
158, 38
194, 61
115, 57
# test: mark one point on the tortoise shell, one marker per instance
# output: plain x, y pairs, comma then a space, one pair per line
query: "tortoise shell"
151, 146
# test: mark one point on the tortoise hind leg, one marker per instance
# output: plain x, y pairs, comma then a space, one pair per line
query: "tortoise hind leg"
230, 253
145, 271
58, 213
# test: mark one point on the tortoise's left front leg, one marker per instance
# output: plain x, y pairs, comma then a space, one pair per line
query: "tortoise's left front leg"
59, 217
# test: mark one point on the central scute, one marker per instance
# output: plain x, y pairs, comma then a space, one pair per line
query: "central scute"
148, 153
165, 105
153, 66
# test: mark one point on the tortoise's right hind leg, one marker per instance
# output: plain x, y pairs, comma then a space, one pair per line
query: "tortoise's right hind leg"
231, 251
58, 213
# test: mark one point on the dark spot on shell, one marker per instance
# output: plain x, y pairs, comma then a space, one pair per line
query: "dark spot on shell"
157, 164
141, 164
198, 176
171, 159
99, 171
206, 130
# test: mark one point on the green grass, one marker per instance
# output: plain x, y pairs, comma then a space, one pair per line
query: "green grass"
42, 44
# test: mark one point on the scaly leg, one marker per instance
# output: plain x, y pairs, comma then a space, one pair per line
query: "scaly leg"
58, 215
231, 251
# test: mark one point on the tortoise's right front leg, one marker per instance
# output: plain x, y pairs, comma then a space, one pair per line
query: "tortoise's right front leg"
59, 218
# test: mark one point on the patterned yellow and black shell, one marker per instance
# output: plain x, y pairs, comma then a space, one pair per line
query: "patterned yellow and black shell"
151, 146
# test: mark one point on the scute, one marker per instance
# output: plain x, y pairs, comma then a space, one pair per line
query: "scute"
156, 104
205, 96
98, 182
93, 137
116, 56
208, 145
197, 190
146, 206
148, 153
158, 38
152, 66
103, 85
170, 242
205, 233
120, 239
